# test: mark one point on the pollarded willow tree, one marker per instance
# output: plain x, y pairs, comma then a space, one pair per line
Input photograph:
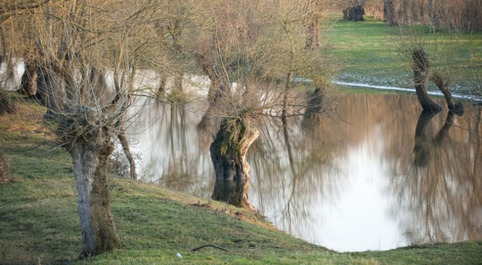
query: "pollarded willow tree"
253, 52
85, 59
431, 63
11, 10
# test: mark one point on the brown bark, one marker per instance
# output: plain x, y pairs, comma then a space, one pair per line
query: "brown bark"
315, 104
455, 107
127, 151
161, 90
208, 69
6, 104
421, 69
28, 85
389, 13
313, 25
354, 13
216, 89
228, 154
105, 232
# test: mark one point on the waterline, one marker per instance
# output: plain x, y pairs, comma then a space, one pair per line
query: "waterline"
409, 90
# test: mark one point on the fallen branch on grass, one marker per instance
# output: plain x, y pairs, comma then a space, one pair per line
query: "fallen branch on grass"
209, 245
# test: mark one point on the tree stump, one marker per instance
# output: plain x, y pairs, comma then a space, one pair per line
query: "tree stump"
354, 13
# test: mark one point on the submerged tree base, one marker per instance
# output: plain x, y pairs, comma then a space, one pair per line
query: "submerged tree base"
228, 154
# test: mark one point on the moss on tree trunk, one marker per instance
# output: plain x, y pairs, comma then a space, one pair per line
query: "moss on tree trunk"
90, 144
228, 154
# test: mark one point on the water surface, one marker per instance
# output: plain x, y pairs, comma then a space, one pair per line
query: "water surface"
371, 173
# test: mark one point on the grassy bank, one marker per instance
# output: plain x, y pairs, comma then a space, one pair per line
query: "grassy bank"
373, 53
39, 222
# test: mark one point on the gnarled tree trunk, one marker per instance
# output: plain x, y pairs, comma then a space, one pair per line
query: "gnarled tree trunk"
389, 13
90, 145
455, 107
315, 103
28, 85
228, 154
421, 71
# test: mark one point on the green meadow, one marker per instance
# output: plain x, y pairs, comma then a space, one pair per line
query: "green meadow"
374, 53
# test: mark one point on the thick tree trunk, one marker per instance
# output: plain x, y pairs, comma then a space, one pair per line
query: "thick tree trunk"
105, 232
28, 85
421, 71
228, 154
354, 13
85, 162
216, 89
90, 145
96, 223
315, 104
389, 14
313, 32
6, 104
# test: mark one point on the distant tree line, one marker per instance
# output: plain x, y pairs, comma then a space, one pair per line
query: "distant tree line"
463, 15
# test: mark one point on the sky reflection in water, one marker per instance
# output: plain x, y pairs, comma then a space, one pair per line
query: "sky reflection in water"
353, 184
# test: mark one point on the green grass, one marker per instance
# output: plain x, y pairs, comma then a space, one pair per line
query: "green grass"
39, 222
375, 53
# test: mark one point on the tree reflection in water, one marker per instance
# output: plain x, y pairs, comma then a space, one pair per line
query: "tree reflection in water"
439, 189
293, 170
172, 151
423, 189
424, 145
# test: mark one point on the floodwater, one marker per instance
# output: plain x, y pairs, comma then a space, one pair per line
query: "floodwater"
371, 173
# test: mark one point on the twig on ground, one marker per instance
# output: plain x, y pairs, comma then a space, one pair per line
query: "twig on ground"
209, 245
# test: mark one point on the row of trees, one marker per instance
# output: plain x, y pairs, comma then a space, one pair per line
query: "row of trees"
85, 61
463, 15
